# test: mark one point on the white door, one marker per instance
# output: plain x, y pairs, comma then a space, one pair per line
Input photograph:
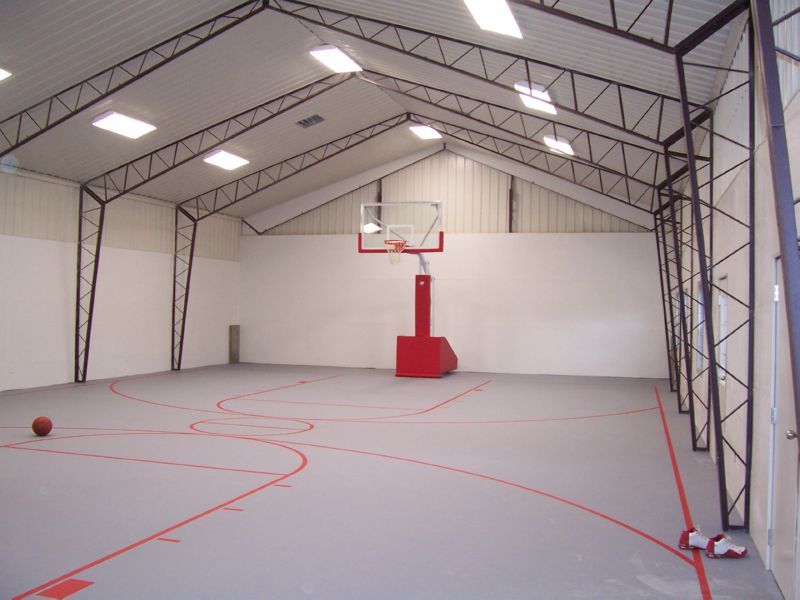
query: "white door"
784, 521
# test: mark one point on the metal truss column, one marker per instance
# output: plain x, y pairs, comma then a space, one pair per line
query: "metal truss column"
185, 235
781, 182
92, 211
666, 305
705, 291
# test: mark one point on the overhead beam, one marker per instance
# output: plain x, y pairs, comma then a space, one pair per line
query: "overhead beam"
573, 91
603, 151
638, 194
710, 27
290, 209
124, 179
35, 120
222, 197
614, 29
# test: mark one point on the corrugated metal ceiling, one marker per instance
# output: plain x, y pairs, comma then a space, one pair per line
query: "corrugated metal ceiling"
50, 46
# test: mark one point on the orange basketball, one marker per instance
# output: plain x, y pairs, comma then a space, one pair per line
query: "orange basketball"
42, 425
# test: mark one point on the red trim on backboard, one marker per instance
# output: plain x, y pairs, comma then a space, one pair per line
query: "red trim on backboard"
363, 250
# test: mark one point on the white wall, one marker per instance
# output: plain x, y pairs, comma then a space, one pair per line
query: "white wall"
580, 304
133, 308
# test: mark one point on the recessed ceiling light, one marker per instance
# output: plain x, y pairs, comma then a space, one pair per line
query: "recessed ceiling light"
558, 145
370, 228
226, 160
425, 132
494, 15
535, 97
4, 74
122, 125
335, 59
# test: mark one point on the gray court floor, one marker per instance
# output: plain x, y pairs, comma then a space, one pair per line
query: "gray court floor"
253, 481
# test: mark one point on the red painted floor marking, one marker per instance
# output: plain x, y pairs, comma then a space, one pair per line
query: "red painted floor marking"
144, 460
705, 589
65, 589
236, 509
155, 536
173, 540
519, 486
282, 485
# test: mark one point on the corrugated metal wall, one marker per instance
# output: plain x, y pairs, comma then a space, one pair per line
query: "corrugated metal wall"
45, 208
474, 197
341, 215
474, 200
787, 36
539, 210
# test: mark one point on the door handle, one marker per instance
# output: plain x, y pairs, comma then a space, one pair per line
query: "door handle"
791, 435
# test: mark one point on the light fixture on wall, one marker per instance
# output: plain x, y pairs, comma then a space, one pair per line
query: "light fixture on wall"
558, 145
4, 74
122, 125
535, 97
225, 160
495, 16
425, 132
336, 60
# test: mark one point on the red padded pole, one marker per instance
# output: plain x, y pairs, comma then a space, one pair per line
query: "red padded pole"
423, 306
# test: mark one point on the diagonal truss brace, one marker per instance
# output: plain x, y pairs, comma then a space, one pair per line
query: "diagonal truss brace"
28, 124
632, 160
185, 236
633, 109
629, 190
90, 232
222, 197
126, 178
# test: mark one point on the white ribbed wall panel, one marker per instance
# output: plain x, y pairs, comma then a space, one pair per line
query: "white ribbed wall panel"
139, 225
787, 36
341, 215
38, 208
474, 197
539, 210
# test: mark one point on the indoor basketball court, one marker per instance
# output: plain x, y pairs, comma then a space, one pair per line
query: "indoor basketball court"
363, 299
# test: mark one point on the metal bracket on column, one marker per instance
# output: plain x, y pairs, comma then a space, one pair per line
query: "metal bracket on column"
90, 232
185, 235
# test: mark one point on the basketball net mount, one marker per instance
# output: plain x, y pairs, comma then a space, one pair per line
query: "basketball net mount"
394, 248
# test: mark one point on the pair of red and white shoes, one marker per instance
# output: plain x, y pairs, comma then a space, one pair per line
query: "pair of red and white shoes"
719, 546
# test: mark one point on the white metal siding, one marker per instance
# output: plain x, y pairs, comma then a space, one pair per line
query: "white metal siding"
539, 210
341, 215
218, 237
36, 208
787, 36
474, 197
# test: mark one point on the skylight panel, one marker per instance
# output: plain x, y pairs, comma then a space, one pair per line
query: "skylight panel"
225, 160
559, 145
336, 60
494, 16
122, 125
535, 97
425, 132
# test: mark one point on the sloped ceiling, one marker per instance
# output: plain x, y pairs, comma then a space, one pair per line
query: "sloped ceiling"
606, 82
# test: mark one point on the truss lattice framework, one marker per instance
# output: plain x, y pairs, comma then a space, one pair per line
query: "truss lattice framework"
222, 197
709, 295
631, 160
39, 118
629, 190
126, 178
90, 232
635, 110
185, 235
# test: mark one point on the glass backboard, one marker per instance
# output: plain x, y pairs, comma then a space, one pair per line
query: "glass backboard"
418, 224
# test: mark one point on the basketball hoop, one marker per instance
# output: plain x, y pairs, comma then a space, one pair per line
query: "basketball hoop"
394, 248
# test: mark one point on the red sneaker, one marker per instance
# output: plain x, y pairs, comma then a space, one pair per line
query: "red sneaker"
692, 538
721, 546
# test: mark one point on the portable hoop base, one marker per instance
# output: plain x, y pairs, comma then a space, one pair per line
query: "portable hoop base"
421, 355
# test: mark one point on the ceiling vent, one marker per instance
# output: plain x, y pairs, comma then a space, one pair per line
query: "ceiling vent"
309, 121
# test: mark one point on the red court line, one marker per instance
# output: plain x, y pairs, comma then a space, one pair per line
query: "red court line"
269, 390
144, 460
705, 589
519, 486
65, 589
173, 540
241, 509
155, 536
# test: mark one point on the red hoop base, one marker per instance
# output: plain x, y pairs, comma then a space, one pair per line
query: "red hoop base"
424, 356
